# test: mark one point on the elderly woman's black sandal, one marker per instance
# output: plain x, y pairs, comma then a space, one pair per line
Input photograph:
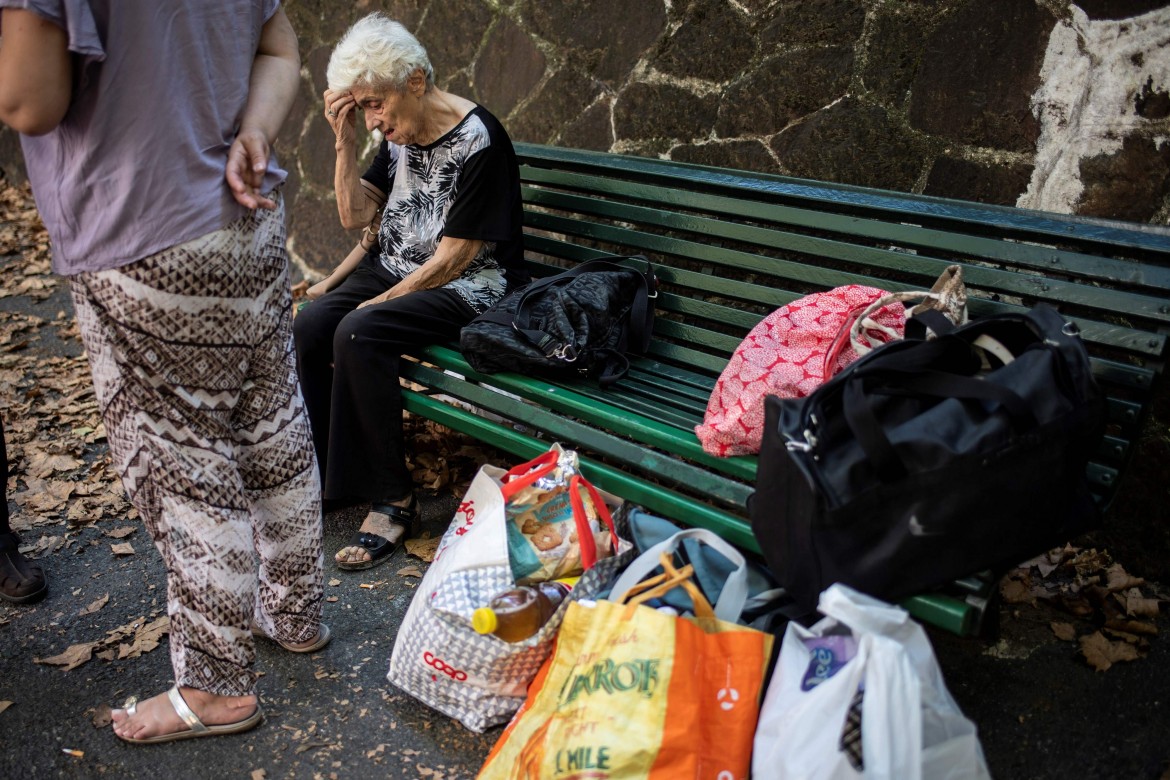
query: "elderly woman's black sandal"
379, 547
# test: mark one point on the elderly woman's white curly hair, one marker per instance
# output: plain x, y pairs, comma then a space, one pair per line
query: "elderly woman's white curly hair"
379, 53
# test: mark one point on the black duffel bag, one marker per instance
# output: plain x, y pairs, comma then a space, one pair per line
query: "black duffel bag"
583, 320
926, 461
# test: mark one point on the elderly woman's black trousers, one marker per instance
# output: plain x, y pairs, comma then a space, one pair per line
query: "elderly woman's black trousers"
347, 361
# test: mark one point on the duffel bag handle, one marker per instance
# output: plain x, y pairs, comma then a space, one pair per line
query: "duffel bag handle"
872, 438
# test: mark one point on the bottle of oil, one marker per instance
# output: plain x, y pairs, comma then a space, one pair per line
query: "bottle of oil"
517, 613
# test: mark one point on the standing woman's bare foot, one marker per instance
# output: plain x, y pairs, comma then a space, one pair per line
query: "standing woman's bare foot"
183, 713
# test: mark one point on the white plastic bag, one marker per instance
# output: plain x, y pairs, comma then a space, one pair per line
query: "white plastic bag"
438, 657
911, 728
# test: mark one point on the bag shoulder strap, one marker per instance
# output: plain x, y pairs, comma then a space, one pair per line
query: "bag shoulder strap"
642, 311
729, 607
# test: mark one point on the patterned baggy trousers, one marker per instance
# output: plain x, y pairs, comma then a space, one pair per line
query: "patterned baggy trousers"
193, 366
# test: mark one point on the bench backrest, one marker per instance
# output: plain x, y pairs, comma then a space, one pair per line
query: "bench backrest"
730, 247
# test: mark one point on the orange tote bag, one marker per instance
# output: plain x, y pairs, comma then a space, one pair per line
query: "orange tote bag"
632, 692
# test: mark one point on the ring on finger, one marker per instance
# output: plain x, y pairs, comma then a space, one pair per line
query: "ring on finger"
331, 113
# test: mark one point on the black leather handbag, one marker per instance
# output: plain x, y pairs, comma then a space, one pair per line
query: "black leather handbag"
581, 321
926, 461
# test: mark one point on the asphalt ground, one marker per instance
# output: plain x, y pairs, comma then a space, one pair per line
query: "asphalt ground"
1042, 710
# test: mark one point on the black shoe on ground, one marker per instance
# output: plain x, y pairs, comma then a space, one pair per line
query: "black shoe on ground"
21, 580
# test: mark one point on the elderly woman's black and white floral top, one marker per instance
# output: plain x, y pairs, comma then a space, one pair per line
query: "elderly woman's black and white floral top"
464, 185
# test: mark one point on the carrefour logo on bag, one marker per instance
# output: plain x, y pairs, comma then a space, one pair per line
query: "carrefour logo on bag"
639, 675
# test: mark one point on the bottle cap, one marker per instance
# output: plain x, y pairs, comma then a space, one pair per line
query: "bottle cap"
484, 620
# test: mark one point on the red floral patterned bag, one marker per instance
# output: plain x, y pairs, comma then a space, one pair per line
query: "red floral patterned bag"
790, 353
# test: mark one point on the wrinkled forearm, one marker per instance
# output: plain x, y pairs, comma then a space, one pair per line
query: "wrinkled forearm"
357, 203
449, 261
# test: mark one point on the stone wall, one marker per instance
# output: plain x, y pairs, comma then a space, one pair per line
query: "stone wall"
1041, 103
1037, 103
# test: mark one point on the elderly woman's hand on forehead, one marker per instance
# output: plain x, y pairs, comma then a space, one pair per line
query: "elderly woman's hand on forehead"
341, 112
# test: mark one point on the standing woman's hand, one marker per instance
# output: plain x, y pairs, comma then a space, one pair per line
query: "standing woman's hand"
341, 113
246, 165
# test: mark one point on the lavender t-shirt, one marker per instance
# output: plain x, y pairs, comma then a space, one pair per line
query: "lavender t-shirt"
137, 164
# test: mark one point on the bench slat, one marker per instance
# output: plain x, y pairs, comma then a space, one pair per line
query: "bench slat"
584, 401
826, 196
928, 268
1037, 256
564, 402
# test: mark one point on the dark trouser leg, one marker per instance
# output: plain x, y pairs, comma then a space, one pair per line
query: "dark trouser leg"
366, 457
313, 331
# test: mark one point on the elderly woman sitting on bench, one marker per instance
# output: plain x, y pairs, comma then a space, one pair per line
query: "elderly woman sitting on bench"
446, 184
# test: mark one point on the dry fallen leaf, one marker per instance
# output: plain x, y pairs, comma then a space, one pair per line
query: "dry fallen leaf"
424, 548
121, 533
1064, 631
144, 636
259, 774
73, 657
125, 548
1101, 653
44, 546
43, 464
410, 571
1137, 627
94, 606
1015, 590
1120, 579
5, 705
1140, 606
334, 582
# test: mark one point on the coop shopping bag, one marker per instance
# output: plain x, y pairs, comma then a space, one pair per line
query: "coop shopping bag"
634, 692
860, 695
438, 657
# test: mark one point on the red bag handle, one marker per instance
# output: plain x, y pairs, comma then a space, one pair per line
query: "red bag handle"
840, 342
584, 532
519, 477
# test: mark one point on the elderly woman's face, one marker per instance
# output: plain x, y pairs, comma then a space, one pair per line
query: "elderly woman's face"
397, 114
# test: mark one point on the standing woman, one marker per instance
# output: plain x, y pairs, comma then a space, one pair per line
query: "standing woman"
449, 242
146, 128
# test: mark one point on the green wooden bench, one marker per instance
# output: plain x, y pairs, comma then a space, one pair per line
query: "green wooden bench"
729, 247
